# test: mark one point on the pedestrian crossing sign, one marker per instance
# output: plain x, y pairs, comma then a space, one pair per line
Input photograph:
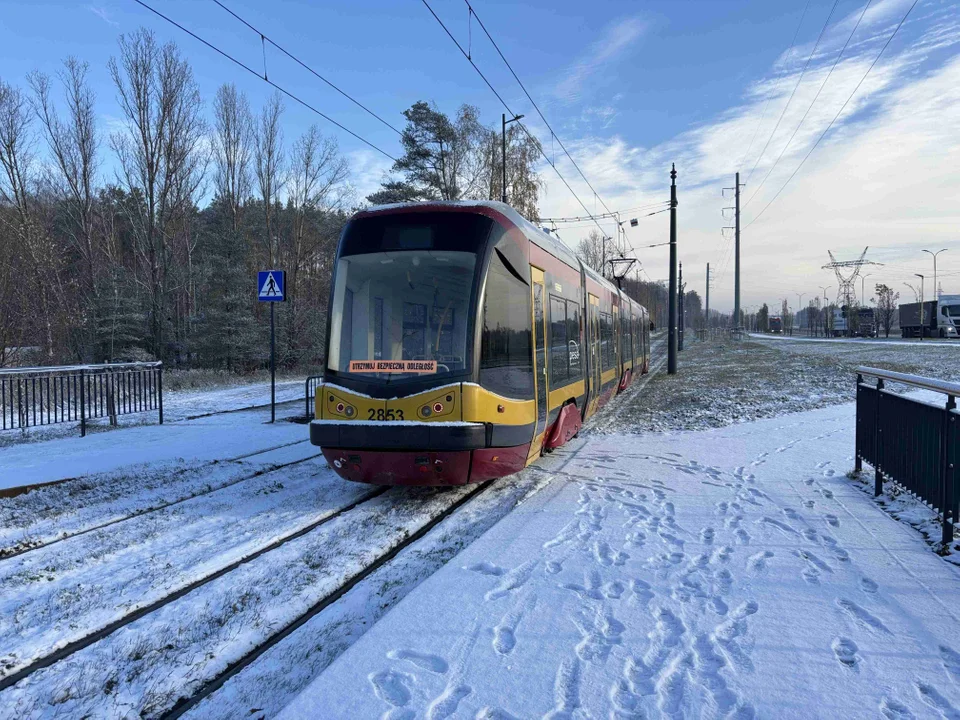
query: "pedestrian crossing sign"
272, 286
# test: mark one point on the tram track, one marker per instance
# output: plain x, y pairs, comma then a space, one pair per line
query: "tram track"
89, 639
381, 524
21, 548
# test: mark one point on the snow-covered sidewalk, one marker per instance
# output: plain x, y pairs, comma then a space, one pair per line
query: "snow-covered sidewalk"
732, 573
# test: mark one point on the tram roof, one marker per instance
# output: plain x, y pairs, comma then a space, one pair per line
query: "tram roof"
536, 235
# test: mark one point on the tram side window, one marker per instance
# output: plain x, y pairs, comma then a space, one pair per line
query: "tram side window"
559, 354
607, 351
506, 357
575, 369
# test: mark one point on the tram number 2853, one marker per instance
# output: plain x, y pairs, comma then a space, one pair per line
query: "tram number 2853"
381, 414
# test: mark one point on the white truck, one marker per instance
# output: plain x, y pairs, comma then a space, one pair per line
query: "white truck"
934, 318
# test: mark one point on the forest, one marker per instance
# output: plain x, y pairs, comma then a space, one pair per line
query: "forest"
142, 243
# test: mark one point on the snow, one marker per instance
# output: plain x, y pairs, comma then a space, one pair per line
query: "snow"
399, 423
734, 572
856, 341
202, 440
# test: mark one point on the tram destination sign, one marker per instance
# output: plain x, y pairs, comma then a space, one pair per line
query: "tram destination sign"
393, 366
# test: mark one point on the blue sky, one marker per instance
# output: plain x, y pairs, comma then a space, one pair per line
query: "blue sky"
629, 87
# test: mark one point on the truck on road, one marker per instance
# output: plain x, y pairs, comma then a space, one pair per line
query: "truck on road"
933, 318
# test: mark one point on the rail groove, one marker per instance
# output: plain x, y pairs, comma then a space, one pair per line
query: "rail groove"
5, 555
81, 643
185, 704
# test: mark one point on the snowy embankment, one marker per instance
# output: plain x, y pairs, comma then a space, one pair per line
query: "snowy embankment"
193, 441
734, 572
184, 404
857, 341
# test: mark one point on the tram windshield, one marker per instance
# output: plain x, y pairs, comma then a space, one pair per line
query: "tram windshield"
401, 303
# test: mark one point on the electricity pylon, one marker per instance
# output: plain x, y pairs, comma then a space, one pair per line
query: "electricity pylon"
846, 288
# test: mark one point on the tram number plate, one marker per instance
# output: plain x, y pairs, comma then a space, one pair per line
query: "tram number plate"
381, 414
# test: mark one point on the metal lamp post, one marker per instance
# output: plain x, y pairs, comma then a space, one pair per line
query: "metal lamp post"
825, 302
936, 295
503, 139
921, 305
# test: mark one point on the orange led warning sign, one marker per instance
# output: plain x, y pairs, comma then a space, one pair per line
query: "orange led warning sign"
393, 366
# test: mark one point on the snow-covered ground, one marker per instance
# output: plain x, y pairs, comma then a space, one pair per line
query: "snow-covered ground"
728, 573
929, 342
680, 559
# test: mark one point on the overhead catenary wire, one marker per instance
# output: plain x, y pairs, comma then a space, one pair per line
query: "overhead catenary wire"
266, 38
553, 135
794, 92
277, 87
812, 102
604, 215
836, 117
783, 68
507, 108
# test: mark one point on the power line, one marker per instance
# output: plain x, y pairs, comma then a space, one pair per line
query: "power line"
507, 107
839, 112
812, 103
783, 68
308, 68
266, 80
603, 216
532, 102
799, 80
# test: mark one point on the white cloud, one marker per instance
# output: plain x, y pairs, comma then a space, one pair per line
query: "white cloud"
619, 38
887, 174
103, 14
368, 169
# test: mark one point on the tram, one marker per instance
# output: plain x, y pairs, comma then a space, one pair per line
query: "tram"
463, 342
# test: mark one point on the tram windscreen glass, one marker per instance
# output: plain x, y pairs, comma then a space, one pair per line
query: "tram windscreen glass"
401, 314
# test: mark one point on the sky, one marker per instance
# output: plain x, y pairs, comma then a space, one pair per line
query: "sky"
715, 86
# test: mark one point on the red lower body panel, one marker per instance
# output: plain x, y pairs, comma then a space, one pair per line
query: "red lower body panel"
388, 467
567, 425
625, 380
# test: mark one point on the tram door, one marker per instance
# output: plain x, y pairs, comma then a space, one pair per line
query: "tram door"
593, 340
540, 358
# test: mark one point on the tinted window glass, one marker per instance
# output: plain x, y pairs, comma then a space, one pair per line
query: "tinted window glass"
573, 341
607, 351
452, 231
506, 358
559, 352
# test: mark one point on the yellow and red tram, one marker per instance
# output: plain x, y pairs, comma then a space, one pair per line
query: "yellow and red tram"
462, 343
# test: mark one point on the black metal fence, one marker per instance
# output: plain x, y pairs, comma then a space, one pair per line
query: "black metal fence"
911, 442
31, 397
310, 392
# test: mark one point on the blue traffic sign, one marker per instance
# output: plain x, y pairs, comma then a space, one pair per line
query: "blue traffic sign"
271, 286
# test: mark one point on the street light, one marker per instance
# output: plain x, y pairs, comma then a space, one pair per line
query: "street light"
800, 307
936, 296
503, 134
826, 304
863, 296
921, 305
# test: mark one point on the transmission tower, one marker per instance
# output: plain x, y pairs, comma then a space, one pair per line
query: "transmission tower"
846, 290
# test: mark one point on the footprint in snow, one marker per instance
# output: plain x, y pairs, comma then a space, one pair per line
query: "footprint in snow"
504, 634
868, 585
758, 561
792, 514
743, 537
828, 494
932, 697
895, 710
512, 580
862, 617
809, 504
845, 651
832, 520
830, 472
809, 481
706, 535
810, 534
486, 568
553, 567
424, 661
951, 661
391, 687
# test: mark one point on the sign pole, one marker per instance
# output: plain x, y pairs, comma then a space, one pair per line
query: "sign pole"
273, 366
272, 286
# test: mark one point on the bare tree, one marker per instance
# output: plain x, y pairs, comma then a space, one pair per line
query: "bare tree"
887, 306
24, 221
590, 250
159, 155
523, 182
74, 143
268, 162
232, 148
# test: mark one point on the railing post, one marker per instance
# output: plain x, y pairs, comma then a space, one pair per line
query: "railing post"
947, 491
857, 462
306, 397
878, 445
160, 391
83, 403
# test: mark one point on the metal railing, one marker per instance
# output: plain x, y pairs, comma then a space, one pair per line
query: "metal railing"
310, 392
31, 397
912, 443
